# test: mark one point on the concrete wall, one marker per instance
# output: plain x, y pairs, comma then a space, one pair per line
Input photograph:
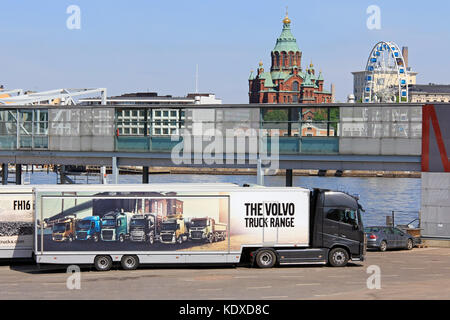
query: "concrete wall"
435, 208
81, 129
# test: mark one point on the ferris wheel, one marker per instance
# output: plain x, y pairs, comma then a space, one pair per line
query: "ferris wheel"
386, 77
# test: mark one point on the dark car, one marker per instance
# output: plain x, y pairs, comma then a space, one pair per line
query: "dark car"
383, 238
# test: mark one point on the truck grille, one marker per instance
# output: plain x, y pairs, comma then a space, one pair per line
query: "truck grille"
58, 237
82, 235
196, 234
137, 236
107, 234
166, 237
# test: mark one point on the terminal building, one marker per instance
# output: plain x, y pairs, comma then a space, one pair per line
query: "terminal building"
164, 122
429, 93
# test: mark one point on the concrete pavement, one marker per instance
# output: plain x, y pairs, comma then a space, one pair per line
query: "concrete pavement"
417, 274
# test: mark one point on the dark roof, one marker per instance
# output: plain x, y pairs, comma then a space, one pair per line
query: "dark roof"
430, 88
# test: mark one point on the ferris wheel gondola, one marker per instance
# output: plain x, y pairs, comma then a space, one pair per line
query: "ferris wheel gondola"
386, 78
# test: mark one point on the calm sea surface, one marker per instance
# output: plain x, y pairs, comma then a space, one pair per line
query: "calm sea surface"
378, 196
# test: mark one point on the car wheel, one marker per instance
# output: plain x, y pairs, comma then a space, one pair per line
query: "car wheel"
383, 246
103, 263
410, 244
129, 262
265, 258
338, 257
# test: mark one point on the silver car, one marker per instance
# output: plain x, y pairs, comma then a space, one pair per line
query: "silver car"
383, 238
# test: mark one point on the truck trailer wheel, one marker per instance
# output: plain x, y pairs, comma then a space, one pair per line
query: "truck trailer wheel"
338, 257
103, 263
265, 258
129, 262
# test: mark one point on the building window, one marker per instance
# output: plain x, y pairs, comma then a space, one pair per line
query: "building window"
295, 86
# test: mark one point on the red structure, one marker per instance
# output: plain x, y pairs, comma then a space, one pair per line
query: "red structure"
286, 82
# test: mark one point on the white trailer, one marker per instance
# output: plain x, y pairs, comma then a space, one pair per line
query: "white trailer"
265, 225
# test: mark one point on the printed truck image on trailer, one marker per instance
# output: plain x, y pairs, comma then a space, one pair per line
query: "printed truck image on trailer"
115, 226
174, 230
262, 226
207, 229
88, 228
144, 227
64, 229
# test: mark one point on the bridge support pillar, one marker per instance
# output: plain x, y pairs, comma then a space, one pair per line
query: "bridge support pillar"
144, 174
4, 173
103, 175
259, 173
18, 174
289, 178
115, 170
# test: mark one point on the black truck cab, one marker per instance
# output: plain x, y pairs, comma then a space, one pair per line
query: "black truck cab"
336, 223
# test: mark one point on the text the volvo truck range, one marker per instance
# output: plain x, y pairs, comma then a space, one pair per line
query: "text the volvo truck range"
276, 215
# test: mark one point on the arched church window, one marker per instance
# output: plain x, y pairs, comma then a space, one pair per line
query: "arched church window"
295, 86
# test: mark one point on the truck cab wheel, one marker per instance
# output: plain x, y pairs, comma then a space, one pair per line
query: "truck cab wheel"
151, 239
180, 240
129, 262
121, 238
265, 258
103, 263
95, 238
338, 257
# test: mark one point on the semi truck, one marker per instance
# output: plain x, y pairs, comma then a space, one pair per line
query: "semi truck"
207, 229
144, 227
63, 229
174, 230
266, 226
115, 226
88, 228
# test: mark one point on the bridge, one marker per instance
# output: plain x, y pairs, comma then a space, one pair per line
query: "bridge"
405, 137
335, 136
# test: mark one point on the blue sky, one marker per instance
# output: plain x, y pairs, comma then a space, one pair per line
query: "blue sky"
154, 45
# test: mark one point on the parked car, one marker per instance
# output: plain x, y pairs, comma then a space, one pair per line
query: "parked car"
383, 238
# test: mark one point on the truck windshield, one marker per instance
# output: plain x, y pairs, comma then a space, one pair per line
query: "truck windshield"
109, 222
168, 226
59, 227
199, 223
137, 223
84, 225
